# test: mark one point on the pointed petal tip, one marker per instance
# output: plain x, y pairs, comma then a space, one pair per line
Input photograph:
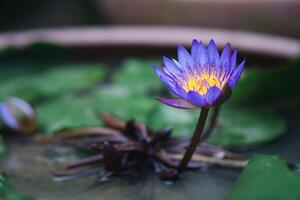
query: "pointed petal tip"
195, 42
236, 75
180, 47
211, 41
227, 45
213, 53
156, 69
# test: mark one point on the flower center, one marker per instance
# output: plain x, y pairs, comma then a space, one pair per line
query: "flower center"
202, 83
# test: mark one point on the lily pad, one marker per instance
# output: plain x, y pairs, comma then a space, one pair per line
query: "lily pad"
8, 192
51, 82
181, 121
269, 85
119, 102
236, 125
266, 178
137, 76
246, 125
64, 113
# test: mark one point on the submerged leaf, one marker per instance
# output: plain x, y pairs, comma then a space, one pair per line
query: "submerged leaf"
266, 178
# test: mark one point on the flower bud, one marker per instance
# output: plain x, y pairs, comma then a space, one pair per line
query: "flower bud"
18, 115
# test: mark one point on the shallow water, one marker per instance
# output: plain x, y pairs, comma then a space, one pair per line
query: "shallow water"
30, 167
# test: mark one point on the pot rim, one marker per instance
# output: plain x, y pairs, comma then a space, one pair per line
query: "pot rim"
153, 36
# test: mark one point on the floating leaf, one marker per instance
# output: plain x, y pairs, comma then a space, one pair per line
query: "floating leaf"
246, 125
54, 81
137, 76
8, 192
236, 125
182, 122
269, 85
118, 101
67, 112
266, 178
72, 111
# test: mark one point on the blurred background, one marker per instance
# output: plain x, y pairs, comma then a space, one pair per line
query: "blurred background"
268, 16
67, 61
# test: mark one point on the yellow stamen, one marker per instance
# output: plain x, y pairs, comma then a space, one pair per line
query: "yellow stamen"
202, 83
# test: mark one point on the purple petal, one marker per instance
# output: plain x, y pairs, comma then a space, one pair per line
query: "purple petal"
236, 75
7, 116
180, 91
225, 57
177, 103
213, 53
184, 58
23, 105
169, 82
161, 74
233, 59
171, 66
197, 49
203, 58
212, 95
196, 99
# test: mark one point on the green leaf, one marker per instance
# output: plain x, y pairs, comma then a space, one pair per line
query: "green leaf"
51, 82
8, 192
119, 102
138, 76
246, 125
64, 113
266, 178
236, 125
73, 111
181, 121
268, 85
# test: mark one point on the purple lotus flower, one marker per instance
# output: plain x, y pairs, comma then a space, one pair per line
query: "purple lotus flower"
202, 78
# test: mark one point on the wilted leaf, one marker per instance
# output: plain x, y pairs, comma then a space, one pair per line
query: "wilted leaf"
266, 178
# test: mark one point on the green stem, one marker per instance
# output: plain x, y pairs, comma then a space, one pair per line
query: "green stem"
212, 124
194, 141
